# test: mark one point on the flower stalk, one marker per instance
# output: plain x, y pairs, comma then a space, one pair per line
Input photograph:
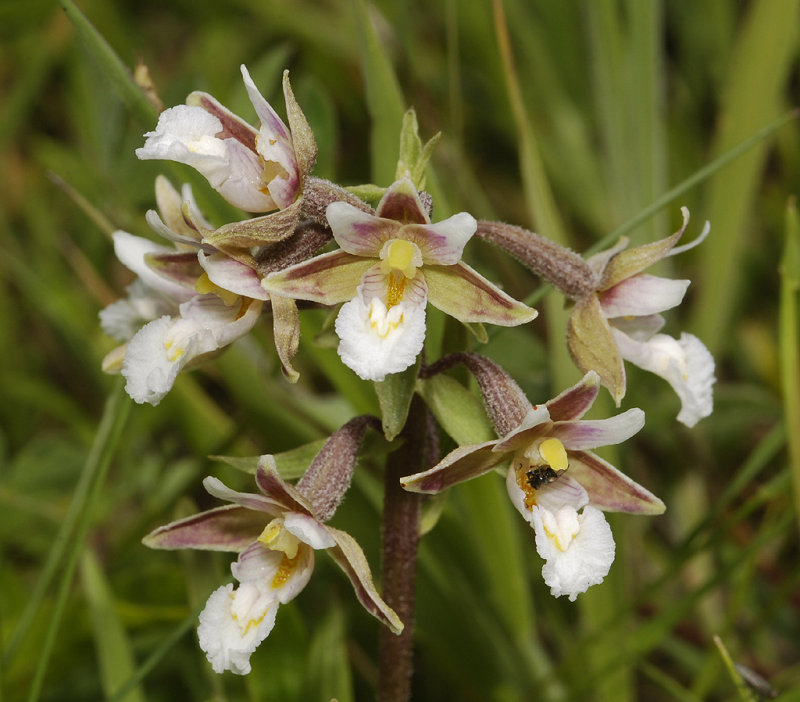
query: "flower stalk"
401, 512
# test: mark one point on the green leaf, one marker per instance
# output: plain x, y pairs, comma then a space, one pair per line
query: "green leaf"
328, 673
111, 640
291, 464
460, 413
394, 396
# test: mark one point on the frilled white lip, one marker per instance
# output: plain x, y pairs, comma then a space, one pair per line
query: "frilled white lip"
685, 363
161, 348
375, 342
572, 536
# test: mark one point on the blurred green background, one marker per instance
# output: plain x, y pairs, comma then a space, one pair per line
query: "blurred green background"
566, 117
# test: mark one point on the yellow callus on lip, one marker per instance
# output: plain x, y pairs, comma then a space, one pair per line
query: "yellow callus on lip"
400, 257
203, 285
554, 454
277, 538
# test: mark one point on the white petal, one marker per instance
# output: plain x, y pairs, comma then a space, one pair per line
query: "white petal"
308, 530
131, 250
226, 323
229, 274
233, 624
123, 318
186, 133
685, 363
642, 295
273, 572
157, 353
639, 328
584, 560
375, 341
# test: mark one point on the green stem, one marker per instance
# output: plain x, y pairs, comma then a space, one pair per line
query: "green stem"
401, 512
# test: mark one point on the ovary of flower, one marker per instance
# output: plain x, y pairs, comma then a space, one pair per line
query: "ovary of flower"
277, 538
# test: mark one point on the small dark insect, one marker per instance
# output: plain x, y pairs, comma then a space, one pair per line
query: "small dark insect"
542, 475
755, 682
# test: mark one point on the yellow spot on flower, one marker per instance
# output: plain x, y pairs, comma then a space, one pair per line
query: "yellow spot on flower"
554, 454
277, 538
174, 351
285, 570
250, 622
521, 468
383, 323
205, 286
395, 289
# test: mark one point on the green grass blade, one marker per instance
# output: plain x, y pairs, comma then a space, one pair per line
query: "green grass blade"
539, 199
116, 408
118, 73
789, 335
759, 69
384, 99
97, 463
158, 655
113, 647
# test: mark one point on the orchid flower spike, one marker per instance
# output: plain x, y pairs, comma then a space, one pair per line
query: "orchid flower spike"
276, 533
390, 265
554, 480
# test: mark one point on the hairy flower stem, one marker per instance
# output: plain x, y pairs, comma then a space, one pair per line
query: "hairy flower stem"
560, 266
401, 512
318, 193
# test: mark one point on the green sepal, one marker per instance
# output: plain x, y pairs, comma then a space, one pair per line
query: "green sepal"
592, 346
305, 145
291, 464
256, 231
394, 396
414, 157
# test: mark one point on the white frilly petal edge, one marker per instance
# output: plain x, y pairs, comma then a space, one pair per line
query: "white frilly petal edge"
685, 363
374, 341
161, 348
584, 562
186, 133
156, 354
233, 624
123, 318
578, 547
